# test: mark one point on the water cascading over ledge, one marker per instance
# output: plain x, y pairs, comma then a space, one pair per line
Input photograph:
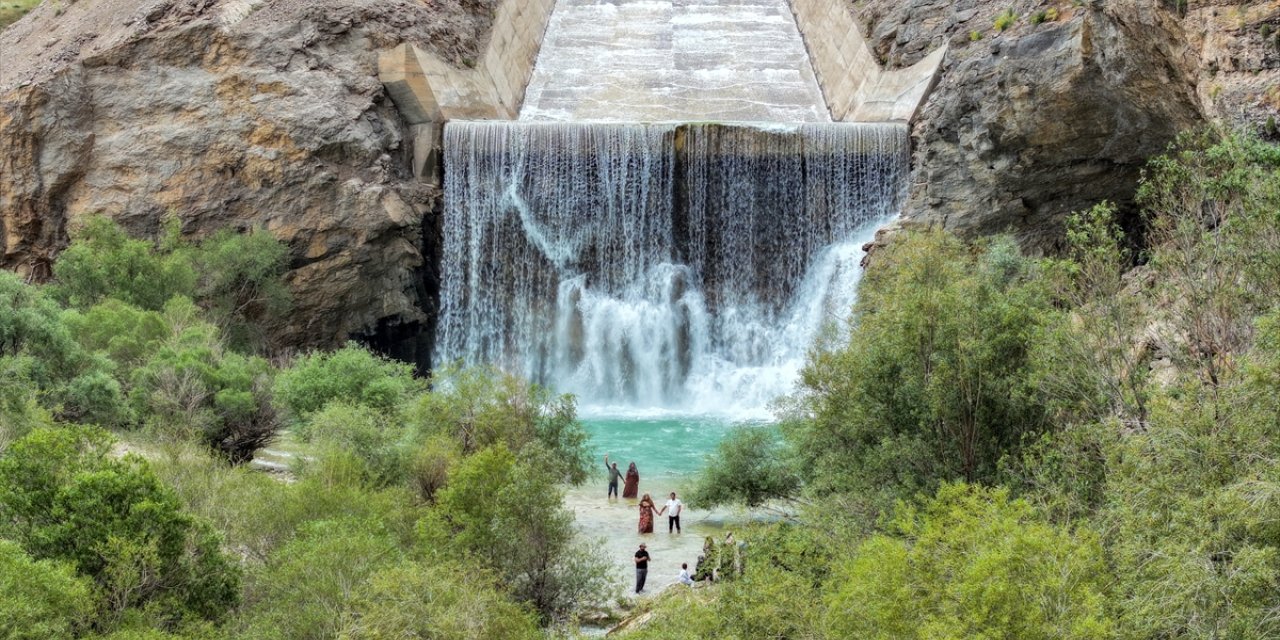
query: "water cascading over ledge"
683, 267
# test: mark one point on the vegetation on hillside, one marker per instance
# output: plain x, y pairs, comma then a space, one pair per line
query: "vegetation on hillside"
995, 446
133, 389
1086, 446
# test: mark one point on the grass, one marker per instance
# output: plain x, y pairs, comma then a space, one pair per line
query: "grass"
12, 10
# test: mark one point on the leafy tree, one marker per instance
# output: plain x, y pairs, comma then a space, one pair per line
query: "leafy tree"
933, 382
66, 498
30, 326
971, 563
242, 285
748, 467
377, 440
40, 599
104, 262
507, 513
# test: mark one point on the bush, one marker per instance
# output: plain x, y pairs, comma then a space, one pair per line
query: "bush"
242, 285
508, 514
352, 375
442, 601
40, 599
104, 262
480, 407
1005, 20
975, 36
372, 437
934, 382
65, 498
747, 468
971, 563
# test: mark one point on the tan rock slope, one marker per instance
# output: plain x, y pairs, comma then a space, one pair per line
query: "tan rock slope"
231, 113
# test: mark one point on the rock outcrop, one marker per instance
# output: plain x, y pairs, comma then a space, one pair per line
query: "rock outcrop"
231, 113
1042, 118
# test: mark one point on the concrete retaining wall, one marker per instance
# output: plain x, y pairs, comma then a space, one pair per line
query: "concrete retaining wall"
852, 81
429, 91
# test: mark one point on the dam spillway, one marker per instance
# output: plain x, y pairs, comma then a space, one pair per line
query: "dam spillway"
683, 267
674, 60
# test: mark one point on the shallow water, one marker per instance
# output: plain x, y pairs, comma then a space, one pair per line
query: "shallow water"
668, 450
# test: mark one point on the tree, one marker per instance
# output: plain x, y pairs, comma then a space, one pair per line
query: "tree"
508, 514
748, 468
933, 383
241, 283
66, 498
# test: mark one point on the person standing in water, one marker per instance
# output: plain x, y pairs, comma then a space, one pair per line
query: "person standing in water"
632, 488
642, 568
614, 476
647, 511
673, 520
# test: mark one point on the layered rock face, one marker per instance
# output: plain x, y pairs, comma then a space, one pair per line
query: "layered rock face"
229, 114
1033, 122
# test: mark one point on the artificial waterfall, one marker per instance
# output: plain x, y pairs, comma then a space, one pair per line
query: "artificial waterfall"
672, 266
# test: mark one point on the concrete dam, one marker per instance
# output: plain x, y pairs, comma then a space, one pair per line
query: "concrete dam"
657, 205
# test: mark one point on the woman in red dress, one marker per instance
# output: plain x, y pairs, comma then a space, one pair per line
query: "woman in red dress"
632, 486
647, 511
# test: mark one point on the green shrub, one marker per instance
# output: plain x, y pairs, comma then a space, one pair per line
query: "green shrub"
975, 36
1039, 17
104, 262
971, 563
934, 382
66, 498
480, 407
40, 599
438, 600
486, 512
1006, 19
352, 375
242, 285
747, 468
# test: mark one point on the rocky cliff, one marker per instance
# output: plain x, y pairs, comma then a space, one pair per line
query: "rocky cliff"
1056, 105
230, 113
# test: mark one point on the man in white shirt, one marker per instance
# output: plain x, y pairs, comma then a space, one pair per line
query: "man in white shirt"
673, 520
685, 578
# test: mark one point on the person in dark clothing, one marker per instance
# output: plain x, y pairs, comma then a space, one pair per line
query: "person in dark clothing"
614, 476
642, 568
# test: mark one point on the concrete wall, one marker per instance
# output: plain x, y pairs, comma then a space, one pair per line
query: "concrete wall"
429, 91
856, 88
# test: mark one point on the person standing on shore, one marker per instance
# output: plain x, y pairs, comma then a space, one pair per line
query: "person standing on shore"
673, 519
614, 476
642, 568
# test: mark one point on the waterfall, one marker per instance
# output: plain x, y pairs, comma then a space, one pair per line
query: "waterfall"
657, 266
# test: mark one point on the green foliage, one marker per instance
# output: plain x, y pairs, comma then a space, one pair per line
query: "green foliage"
242, 283
442, 601
40, 599
933, 382
971, 563
237, 278
352, 375
975, 36
65, 498
506, 513
766, 603
480, 407
1006, 19
104, 262
30, 326
747, 468
1039, 17
308, 583
372, 437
